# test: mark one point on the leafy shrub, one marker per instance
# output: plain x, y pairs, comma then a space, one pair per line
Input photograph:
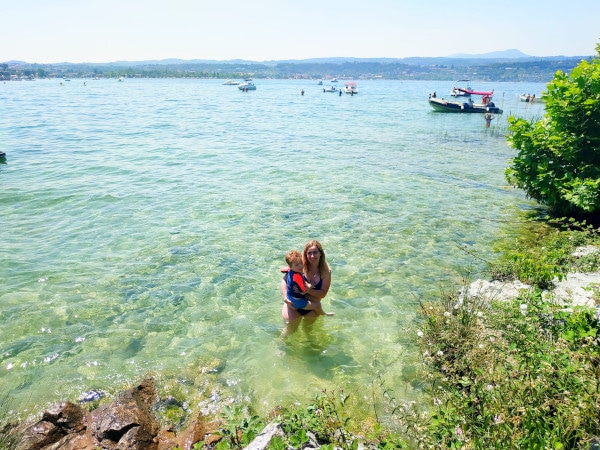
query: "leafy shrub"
327, 419
239, 429
558, 160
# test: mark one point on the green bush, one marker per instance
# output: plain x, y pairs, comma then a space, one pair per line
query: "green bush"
241, 427
558, 160
332, 426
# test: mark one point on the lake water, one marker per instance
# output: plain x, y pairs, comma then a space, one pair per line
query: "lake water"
143, 225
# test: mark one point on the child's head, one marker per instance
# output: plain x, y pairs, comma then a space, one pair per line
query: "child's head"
294, 260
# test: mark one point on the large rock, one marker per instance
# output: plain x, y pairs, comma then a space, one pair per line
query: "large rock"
127, 422
63, 425
577, 289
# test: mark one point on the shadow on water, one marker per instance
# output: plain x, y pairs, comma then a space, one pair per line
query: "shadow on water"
318, 350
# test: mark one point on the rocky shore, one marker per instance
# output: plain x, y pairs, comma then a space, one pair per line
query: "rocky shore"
575, 289
128, 422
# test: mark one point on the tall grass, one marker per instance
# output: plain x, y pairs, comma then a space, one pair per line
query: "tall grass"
9, 433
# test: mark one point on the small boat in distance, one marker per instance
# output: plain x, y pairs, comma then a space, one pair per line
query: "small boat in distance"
320, 83
247, 85
231, 83
334, 80
461, 91
467, 91
530, 98
350, 88
329, 89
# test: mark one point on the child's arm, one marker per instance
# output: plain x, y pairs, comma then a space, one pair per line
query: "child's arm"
297, 278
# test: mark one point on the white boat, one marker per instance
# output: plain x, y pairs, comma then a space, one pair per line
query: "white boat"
530, 98
334, 80
329, 89
247, 85
231, 83
350, 88
461, 89
320, 83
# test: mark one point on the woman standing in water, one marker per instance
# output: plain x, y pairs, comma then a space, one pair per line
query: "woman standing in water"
318, 274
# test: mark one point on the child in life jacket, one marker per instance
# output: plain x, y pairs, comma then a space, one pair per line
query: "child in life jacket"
297, 286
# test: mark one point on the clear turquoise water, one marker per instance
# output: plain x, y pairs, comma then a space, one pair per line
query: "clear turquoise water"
144, 223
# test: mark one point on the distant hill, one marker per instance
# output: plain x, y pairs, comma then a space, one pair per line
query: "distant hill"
458, 59
509, 65
512, 53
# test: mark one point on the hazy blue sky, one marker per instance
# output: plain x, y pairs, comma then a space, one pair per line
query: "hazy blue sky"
46, 31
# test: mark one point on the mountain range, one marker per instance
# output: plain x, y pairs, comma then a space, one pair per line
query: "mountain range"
497, 56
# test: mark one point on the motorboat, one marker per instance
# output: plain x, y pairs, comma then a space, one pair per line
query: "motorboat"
247, 85
330, 89
350, 88
529, 98
334, 80
320, 83
462, 90
468, 106
231, 83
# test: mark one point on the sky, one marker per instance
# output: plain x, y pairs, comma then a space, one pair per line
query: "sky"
52, 31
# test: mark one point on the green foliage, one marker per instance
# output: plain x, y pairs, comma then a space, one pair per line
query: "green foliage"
538, 260
522, 374
325, 418
239, 429
327, 421
558, 160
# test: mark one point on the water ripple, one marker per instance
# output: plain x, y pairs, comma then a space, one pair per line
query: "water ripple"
158, 213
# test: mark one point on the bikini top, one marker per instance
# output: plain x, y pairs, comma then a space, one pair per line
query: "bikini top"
319, 284
315, 286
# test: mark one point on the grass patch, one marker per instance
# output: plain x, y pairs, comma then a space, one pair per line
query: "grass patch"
9, 432
522, 374
537, 258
